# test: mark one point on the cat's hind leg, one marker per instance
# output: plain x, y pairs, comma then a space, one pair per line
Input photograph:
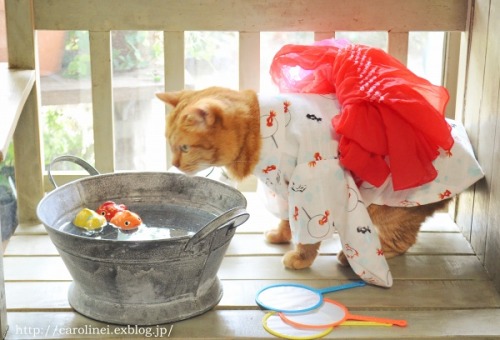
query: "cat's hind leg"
398, 227
282, 234
302, 257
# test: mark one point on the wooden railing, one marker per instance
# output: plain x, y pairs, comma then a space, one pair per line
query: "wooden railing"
248, 17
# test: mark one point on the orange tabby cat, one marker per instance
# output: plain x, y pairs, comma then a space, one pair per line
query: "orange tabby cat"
220, 127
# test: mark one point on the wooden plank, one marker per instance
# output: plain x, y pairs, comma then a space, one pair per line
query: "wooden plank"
26, 296
254, 244
398, 46
20, 34
30, 229
427, 243
15, 86
253, 16
326, 267
463, 64
403, 295
318, 36
240, 294
173, 47
451, 70
102, 100
246, 324
173, 54
423, 267
28, 157
27, 143
488, 122
441, 244
30, 245
27, 136
473, 95
492, 250
50, 268
249, 61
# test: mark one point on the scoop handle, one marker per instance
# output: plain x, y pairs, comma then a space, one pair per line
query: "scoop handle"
395, 322
73, 159
236, 215
342, 287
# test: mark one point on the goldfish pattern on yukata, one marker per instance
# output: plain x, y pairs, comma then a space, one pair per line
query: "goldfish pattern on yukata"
305, 183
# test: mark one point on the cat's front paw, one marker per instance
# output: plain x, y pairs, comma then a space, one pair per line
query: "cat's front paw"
295, 260
302, 257
276, 237
282, 234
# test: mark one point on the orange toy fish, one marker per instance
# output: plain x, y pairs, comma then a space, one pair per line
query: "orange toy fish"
126, 220
109, 209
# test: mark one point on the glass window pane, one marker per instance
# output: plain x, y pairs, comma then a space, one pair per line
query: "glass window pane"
139, 117
65, 95
425, 55
211, 59
375, 39
270, 44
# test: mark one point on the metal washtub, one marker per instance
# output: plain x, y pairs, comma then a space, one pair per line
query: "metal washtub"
145, 282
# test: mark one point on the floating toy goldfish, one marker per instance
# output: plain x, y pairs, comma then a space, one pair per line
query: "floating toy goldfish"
109, 209
89, 220
126, 220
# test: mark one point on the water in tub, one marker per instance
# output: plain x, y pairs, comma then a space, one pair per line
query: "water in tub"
160, 222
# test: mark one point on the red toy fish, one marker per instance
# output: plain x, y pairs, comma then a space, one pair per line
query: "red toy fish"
109, 209
126, 220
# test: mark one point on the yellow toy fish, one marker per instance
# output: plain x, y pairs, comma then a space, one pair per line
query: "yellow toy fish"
89, 220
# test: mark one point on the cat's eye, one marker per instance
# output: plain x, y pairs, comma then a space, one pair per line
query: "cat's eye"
184, 148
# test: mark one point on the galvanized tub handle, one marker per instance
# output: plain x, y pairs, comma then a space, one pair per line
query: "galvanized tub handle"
73, 159
238, 215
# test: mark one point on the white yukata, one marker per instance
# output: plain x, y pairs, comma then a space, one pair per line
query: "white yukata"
306, 184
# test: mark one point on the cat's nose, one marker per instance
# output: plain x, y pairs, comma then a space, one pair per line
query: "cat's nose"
176, 162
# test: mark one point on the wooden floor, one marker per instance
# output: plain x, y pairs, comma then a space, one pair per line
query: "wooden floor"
440, 288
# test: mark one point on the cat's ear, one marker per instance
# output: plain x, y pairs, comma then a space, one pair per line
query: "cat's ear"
171, 98
204, 113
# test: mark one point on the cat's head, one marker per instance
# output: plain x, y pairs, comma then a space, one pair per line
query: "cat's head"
205, 128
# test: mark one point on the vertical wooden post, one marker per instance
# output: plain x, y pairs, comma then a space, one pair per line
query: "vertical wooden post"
249, 61
102, 100
173, 55
398, 46
323, 35
27, 137
27, 143
451, 69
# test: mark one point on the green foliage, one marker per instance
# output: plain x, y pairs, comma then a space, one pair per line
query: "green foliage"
9, 157
63, 135
205, 45
76, 62
131, 50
